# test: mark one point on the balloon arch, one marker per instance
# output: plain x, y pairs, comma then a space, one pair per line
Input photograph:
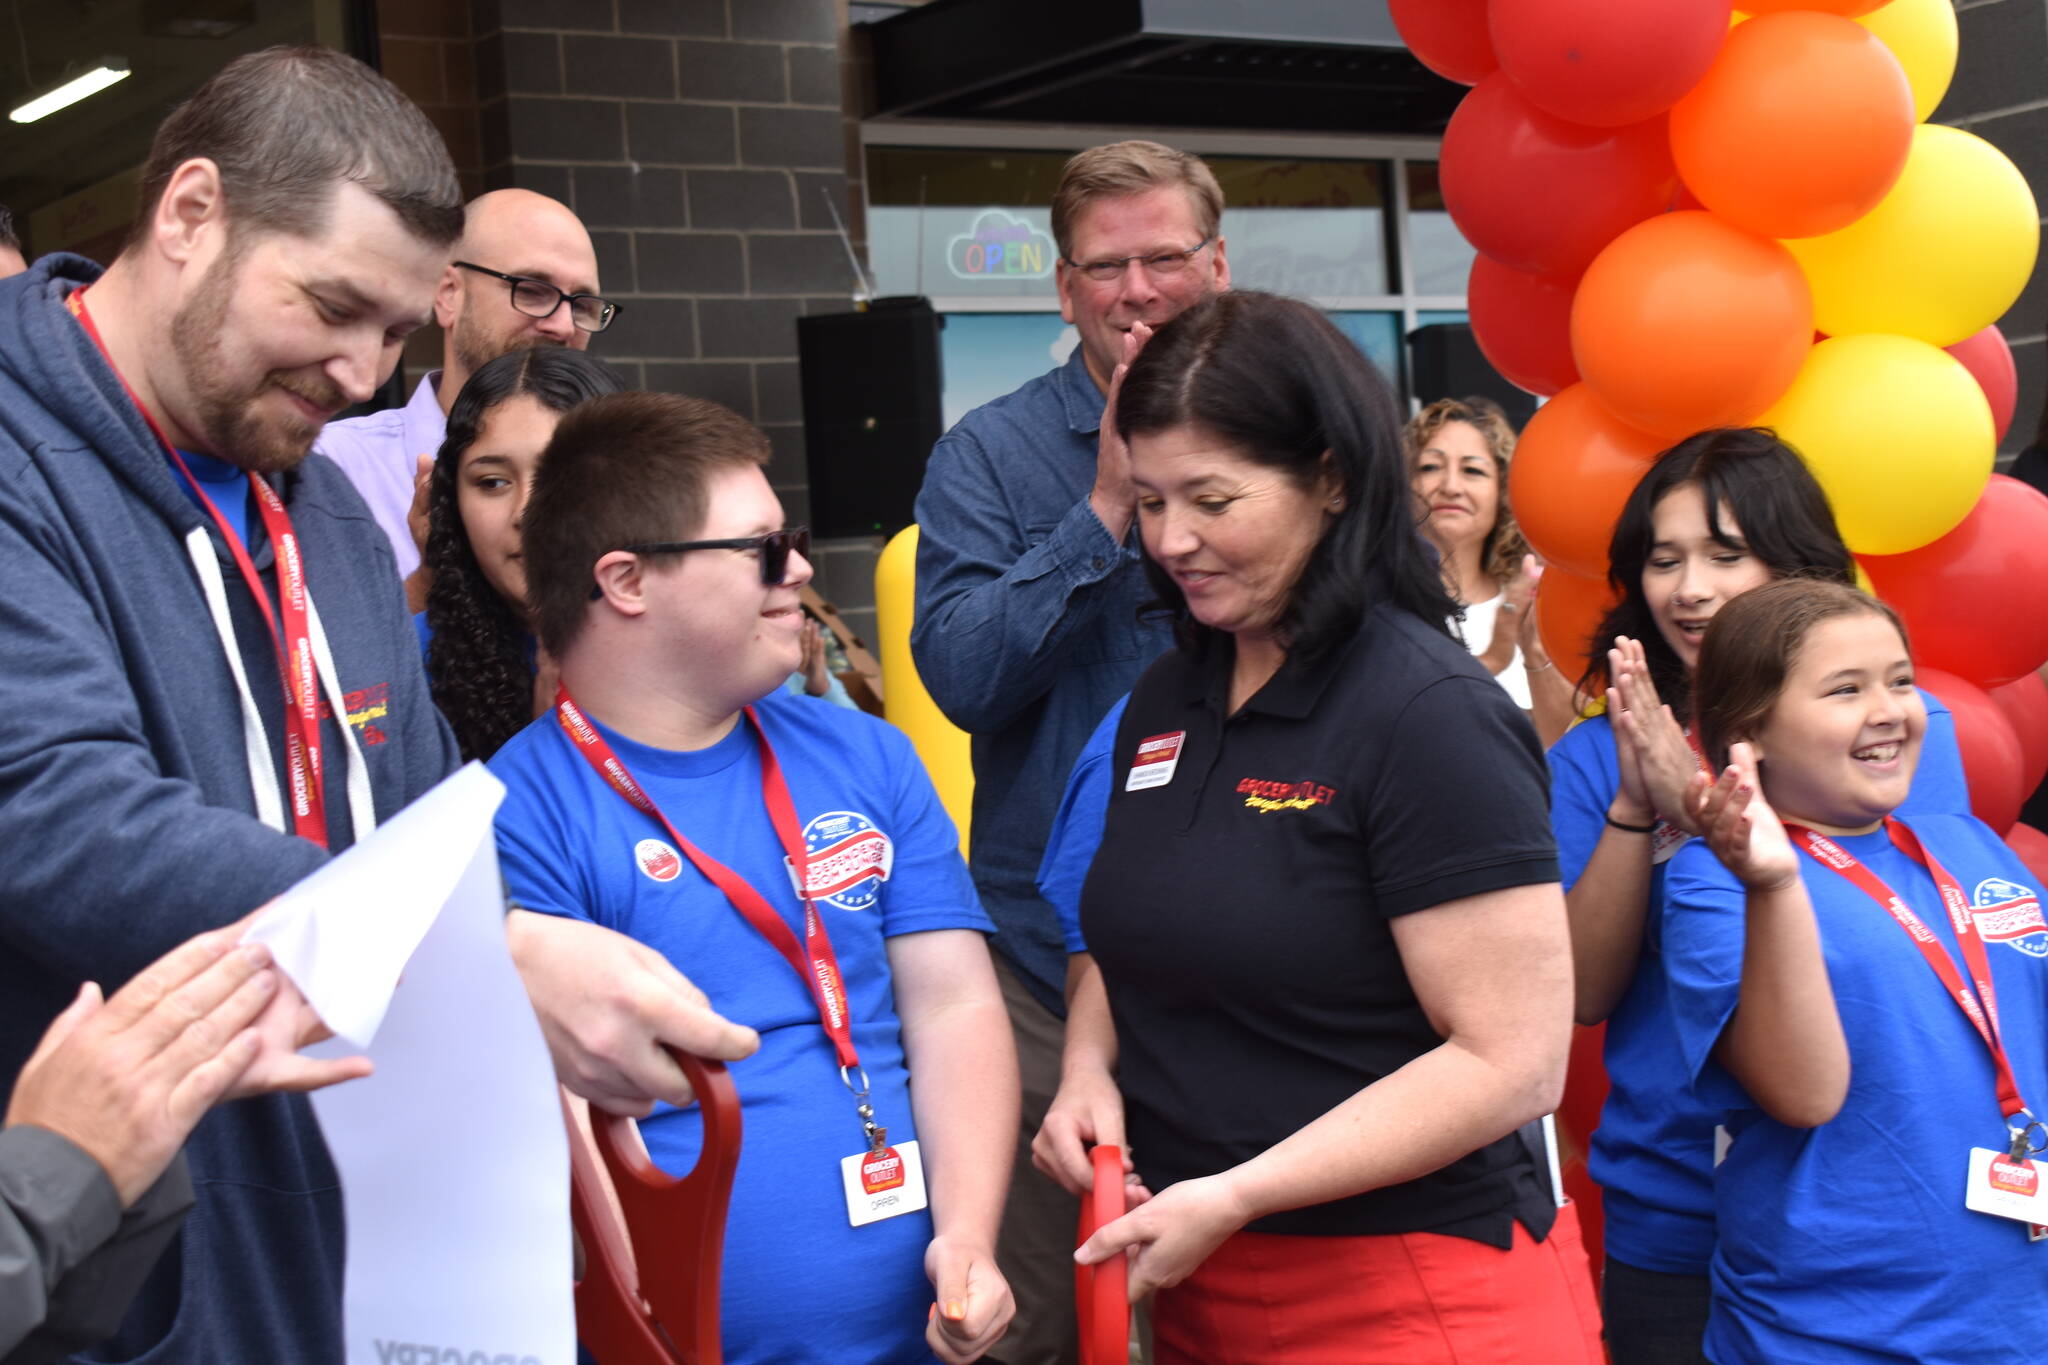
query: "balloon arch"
1689, 216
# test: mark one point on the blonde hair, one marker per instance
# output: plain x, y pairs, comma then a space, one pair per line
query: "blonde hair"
1117, 169
1501, 555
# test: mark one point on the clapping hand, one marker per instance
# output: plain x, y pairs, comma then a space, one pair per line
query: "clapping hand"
1740, 826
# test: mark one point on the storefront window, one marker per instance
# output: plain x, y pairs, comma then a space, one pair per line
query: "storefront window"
1442, 258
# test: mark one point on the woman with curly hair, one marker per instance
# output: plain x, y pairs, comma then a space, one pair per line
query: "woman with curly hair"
481, 656
1458, 452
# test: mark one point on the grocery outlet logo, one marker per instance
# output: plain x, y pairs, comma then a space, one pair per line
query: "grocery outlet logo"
1000, 246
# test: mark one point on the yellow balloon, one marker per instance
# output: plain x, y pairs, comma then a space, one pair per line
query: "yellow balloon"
1922, 35
1940, 258
1898, 433
941, 744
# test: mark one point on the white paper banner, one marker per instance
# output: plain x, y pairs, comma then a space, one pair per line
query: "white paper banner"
453, 1159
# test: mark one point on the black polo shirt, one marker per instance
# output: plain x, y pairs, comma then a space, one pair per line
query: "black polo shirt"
1240, 908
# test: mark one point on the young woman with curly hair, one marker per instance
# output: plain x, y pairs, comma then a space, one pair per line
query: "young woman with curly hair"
481, 656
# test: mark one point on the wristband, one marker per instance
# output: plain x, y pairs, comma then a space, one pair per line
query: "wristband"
1631, 829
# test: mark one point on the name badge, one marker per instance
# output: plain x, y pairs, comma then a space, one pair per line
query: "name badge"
2005, 1188
1156, 759
883, 1184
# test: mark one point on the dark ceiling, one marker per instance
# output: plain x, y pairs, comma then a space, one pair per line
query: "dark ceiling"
1307, 65
170, 45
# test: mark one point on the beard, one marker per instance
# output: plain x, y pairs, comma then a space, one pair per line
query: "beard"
225, 413
474, 346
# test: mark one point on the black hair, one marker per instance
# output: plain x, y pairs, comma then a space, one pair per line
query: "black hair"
477, 660
1272, 376
1781, 516
9, 238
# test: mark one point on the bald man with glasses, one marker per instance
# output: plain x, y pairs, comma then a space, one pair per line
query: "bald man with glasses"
524, 274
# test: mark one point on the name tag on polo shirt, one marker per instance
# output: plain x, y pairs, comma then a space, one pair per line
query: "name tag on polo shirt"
1156, 759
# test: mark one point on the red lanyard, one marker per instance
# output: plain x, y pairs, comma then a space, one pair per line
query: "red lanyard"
293, 643
814, 961
1981, 1007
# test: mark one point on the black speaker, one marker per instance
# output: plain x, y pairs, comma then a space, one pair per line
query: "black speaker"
871, 413
1447, 363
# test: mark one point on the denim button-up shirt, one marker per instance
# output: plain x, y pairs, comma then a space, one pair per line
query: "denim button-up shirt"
1026, 631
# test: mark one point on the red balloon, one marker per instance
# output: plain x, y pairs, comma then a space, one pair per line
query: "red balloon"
1524, 324
2032, 846
1606, 62
1992, 761
2025, 703
1976, 601
1540, 194
1447, 36
1989, 361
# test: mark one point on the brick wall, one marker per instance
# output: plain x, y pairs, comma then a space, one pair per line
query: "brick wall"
698, 140
2000, 93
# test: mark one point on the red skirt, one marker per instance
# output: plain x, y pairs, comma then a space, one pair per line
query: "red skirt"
1419, 1298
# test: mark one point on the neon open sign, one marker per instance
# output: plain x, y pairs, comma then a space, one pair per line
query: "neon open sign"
1001, 246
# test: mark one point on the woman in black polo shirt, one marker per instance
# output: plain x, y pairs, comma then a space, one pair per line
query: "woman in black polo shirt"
1325, 916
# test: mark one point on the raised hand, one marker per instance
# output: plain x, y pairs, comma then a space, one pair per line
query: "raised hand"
1740, 826
1114, 499
1511, 624
1664, 757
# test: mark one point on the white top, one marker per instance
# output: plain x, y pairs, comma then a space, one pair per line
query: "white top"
1477, 632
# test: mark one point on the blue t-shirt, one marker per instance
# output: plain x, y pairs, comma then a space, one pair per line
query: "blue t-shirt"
1850, 1241
1077, 829
228, 487
1653, 1153
801, 1285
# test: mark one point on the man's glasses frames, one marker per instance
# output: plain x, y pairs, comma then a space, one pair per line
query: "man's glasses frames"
1159, 263
539, 299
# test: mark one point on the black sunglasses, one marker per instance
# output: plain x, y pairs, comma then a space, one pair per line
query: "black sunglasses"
774, 549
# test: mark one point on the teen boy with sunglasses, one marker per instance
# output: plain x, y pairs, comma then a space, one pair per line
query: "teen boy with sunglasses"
793, 860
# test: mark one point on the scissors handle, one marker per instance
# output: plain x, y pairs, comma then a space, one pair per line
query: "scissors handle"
1100, 1291
677, 1230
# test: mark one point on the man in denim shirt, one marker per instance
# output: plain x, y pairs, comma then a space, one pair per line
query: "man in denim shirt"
1027, 627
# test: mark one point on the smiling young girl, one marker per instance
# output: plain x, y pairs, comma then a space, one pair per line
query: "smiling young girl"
1864, 1000
1717, 515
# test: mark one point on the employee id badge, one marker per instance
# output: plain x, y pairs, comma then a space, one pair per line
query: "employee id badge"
1155, 761
2008, 1188
883, 1184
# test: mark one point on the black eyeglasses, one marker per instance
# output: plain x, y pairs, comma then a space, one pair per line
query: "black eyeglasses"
1159, 263
774, 549
539, 299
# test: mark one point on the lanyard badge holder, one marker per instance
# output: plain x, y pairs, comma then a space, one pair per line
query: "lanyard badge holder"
880, 1181
2003, 1182
674, 1233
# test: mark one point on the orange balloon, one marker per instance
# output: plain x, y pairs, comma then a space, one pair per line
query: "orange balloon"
1846, 8
1800, 128
1574, 467
1685, 323
1569, 608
